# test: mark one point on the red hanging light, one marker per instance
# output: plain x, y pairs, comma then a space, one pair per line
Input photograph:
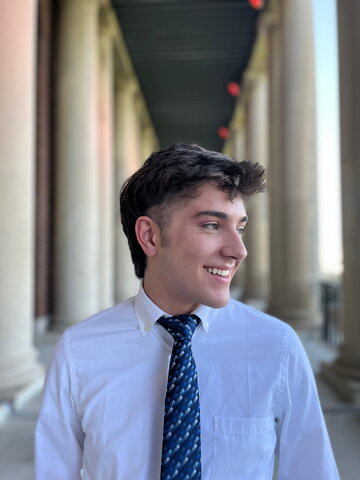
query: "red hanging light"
257, 4
233, 88
223, 132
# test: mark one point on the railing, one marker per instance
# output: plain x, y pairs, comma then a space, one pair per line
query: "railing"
331, 306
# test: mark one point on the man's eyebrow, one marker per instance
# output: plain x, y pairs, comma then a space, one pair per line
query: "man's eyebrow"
218, 214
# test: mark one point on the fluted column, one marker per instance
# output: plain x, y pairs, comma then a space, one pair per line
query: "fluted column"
18, 366
108, 200
345, 372
257, 230
77, 192
296, 253
128, 160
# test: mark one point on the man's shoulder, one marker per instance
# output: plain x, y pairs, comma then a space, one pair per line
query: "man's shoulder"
109, 320
243, 317
241, 311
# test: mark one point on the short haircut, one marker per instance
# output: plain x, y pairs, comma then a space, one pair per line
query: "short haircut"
177, 172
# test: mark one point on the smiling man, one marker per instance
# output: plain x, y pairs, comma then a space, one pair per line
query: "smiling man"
193, 260
181, 382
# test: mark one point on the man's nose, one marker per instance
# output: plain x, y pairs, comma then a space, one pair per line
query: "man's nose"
235, 247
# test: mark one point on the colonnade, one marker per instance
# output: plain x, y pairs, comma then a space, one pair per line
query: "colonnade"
344, 373
102, 130
278, 98
288, 287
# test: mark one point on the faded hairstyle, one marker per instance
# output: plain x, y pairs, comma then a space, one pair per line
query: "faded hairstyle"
177, 172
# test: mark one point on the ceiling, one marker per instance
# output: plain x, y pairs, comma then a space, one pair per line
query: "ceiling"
184, 53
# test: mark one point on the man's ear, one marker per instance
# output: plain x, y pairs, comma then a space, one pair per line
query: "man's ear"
148, 235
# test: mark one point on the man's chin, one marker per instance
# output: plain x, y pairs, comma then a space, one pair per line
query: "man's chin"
218, 303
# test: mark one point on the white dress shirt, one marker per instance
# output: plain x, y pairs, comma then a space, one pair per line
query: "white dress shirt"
103, 404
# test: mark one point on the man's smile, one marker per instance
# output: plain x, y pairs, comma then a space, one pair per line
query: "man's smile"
218, 271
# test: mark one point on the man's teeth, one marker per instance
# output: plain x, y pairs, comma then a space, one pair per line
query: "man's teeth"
218, 271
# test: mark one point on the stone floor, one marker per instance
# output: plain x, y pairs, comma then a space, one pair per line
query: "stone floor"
343, 421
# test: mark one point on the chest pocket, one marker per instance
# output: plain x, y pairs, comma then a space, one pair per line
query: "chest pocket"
243, 448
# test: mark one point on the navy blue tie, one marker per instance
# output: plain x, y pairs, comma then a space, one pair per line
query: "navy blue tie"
181, 451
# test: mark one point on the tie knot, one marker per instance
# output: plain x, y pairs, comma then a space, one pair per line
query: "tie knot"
181, 327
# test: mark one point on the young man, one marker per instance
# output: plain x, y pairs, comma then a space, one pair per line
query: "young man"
113, 405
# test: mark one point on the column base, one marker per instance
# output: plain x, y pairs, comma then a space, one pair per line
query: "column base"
18, 397
347, 387
41, 325
299, 319
62, 321
59, 327
5, 411
256, 298
21, 379
258, 303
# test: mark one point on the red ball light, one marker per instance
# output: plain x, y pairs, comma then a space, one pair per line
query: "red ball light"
223, 133
257, 4
233, 88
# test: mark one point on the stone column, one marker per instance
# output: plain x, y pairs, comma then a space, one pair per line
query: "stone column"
257, 230
127, 161
296, 222
18, 366
344, 374
77, 195
239, 145
275, 174
108, 200
148, 142
239, 153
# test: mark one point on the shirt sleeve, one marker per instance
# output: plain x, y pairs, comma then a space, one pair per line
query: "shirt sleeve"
58, 433
304, 447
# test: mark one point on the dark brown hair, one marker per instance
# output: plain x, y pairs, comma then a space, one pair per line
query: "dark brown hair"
177, 172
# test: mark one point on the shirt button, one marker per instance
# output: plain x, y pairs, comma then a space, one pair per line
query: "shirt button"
147, 328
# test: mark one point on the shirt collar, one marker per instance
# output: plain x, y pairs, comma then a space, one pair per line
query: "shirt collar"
147, 313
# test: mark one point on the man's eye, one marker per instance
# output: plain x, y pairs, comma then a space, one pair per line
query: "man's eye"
211, 226
241, 230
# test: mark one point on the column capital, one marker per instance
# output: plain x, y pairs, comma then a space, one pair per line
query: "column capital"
270, 20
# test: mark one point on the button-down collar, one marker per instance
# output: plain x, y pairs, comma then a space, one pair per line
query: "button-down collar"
147, 313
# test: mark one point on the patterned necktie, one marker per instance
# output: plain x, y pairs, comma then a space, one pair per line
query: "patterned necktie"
181, 452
